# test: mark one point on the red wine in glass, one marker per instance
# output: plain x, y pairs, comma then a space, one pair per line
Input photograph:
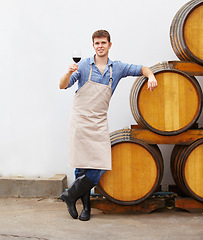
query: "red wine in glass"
76, 59
76, 55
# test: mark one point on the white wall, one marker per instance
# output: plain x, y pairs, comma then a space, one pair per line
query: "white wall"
37, 38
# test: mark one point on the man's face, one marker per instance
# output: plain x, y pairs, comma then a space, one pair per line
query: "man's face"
101, 46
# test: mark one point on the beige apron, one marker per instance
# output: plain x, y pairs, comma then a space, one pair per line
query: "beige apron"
89, 141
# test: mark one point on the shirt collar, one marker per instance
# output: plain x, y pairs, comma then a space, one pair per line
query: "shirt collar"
93, 62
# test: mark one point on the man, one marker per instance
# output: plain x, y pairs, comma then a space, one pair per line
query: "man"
89, 141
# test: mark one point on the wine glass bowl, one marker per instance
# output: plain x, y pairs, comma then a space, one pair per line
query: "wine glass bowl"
76, 55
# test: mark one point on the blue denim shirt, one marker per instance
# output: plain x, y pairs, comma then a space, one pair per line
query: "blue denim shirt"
119, 70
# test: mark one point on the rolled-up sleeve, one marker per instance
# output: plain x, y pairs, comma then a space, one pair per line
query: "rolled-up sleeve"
73, 79
129, 69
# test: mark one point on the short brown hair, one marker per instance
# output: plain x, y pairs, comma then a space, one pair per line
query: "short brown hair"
100, 34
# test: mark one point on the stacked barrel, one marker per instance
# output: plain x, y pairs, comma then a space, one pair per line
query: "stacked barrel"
137, 170
187, 32
175, 105
172, 108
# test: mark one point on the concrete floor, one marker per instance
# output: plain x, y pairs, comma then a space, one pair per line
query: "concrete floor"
48, 219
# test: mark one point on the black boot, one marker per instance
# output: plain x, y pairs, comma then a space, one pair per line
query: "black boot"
85, 214
81, 186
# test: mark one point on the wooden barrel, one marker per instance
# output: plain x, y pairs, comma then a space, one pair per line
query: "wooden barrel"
187, 168
172, 107
137, 170
186, 32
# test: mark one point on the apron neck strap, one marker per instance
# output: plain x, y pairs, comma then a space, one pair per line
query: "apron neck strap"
110, 80
90, 74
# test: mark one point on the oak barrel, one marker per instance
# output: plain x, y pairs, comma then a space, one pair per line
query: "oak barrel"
137, 170
171, 108
187, 168
186, 32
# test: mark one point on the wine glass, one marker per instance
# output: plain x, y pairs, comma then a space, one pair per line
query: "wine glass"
76, 56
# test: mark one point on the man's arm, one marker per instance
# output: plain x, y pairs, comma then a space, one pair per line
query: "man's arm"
64, 81
152, 82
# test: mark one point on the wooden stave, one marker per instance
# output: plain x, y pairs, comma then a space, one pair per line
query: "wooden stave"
175, 42
175, 165
134, 94
178, 161
124, 135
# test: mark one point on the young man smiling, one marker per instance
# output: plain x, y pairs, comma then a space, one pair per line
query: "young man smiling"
89, 142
